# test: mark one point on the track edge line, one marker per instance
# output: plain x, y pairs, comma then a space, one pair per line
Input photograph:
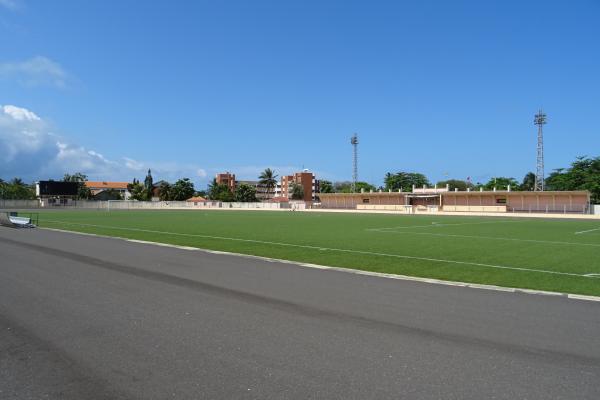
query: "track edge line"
571, 296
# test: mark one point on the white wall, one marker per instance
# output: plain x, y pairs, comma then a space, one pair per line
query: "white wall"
135, 205
14, 204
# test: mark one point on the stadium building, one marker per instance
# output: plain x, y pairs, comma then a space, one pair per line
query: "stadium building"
441, 199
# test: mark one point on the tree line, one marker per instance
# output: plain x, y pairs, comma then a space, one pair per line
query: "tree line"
582, 174
16, 189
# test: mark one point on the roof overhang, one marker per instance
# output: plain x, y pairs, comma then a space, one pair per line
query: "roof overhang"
419, 195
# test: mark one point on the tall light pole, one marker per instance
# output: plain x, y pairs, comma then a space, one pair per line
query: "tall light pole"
540, 121
354, 142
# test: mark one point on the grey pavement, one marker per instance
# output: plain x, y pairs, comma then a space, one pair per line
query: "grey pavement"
96, 318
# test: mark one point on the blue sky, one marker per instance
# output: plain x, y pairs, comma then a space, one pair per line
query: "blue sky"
190, 88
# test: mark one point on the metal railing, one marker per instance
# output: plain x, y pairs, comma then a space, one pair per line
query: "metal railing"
548, 209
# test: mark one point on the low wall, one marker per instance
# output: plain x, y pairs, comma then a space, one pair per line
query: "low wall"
179, 205
140, 205
20, 204
452, 208
386, 207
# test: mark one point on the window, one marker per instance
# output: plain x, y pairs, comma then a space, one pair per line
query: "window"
365, 201
501, 201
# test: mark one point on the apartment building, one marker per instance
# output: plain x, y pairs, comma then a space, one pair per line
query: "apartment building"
227, 179
261, 190
306, 179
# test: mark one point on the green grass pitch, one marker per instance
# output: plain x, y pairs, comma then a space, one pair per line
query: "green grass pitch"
544, 254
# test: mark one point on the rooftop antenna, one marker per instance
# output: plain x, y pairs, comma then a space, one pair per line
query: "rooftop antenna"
540, 121
354, 142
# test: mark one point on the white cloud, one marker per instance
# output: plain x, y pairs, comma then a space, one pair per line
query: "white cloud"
37, 71
20, 114
29, 150
133, 164
22, 134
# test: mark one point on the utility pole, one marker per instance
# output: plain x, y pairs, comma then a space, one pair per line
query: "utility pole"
354, 142
540, 121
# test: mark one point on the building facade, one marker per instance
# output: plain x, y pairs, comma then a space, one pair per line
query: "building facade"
227, 179
306, 179
261, 190
282, 189
98, 187
463, 201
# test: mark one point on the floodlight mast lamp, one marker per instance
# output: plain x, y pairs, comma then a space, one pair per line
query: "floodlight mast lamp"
540, 121
354, 142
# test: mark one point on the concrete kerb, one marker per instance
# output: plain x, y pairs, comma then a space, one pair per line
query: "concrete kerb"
348, 270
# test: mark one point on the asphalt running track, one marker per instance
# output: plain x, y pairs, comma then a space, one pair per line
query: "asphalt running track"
84, 317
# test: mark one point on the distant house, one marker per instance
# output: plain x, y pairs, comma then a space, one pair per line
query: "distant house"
156, 190
196, 200
101, 189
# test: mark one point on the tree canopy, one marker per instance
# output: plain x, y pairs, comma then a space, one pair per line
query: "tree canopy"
583, 174
501, 183
528, 183
455, 184
83, 192
346, 187
405, 181
138, 191
165, 191
182, 190
325, 186
297, 191
219, 192
16, 189
268, 179
245, 193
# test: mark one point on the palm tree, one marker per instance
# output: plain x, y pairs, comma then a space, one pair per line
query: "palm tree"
165, 191
268, 179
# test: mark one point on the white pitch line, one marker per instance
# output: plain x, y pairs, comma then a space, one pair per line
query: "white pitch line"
435, 225
348, 270
488, 238
371, 253
589, 230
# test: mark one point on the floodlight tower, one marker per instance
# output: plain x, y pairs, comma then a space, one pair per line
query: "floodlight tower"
540, 121
354, 142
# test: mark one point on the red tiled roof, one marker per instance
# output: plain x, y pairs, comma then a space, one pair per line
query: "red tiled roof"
196, 199
106, 185
279, 200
